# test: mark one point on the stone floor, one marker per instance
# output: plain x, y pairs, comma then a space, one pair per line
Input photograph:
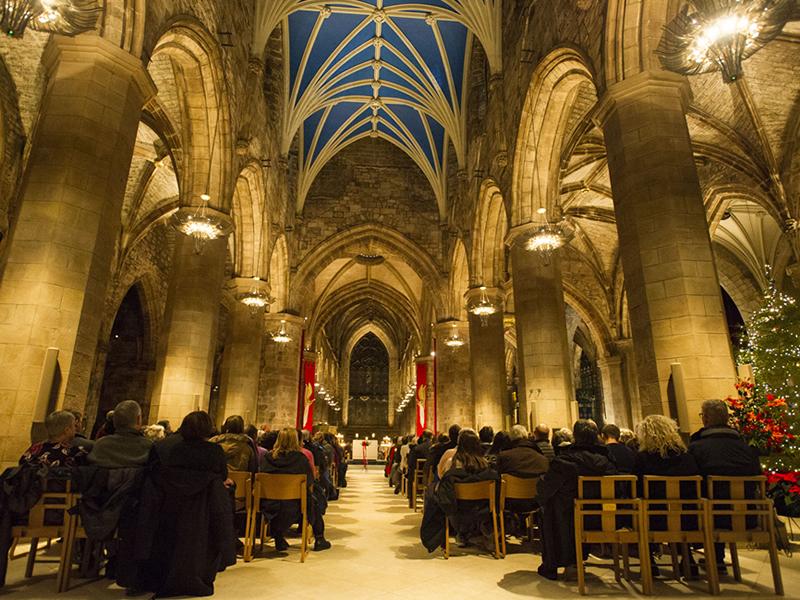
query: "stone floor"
377, 555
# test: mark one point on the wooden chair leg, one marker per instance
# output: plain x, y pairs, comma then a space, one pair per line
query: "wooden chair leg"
31, 557
737, 570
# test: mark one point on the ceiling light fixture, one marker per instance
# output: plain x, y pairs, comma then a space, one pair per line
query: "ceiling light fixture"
718, 35
65, 17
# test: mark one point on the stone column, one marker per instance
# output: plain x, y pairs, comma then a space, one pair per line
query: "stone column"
488, 360
546, 391
59, 256
453, 381
617, 408
241, 361
185, 362
280, 372
671, 281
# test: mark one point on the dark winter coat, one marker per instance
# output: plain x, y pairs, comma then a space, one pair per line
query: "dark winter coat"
722, 451
441, 503
557, 491
185, 522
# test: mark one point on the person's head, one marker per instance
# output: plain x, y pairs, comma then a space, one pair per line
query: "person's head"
233, 424
541, 433
518, 432
127, 415
154, 432
60, 426
585, 432
166, 425
453, 432
486, 434
469, 452
658, 434
714, 413
501, 442
287, 442
196, 426
610, 433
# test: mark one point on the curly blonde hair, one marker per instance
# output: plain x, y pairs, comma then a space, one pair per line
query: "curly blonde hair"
658, 434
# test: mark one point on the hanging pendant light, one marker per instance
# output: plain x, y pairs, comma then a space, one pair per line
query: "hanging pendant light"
454, 340
484, 308
281, 336
65, 17
718, 35
549, 237
203, 224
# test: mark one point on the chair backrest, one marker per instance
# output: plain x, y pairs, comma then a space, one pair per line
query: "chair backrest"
279, 486
244, 484
518, 488
481, 490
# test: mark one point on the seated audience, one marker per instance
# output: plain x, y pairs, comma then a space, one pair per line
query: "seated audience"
486, 434
185, 522
287, 458
57, 450
622, 456
240, 454
127, 446
719, 449
541, 435
557, 490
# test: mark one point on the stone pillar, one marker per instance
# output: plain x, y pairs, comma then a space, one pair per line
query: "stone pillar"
546, 391
617, 408
185, 362
671, 281
453, 381
59, 256
280, 372
241, 361
488, 360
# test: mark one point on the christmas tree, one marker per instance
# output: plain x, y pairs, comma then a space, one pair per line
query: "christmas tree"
773, 349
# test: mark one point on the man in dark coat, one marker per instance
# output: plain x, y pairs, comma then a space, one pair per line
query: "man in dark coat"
557, 491
720, 450
419, 452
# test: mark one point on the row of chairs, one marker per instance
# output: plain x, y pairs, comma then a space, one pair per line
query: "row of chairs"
251, 489
675, 511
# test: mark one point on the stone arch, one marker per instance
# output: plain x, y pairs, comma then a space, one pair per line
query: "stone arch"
279, 274
459, 282
186, 65
543, 128
489, 237
251, 224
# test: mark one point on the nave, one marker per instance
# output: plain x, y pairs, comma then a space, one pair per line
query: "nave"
377, 554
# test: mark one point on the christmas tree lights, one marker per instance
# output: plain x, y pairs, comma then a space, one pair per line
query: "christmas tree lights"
772, 347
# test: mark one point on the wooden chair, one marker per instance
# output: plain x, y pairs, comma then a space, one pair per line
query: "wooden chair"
738, 511
482, 490
675, 513
274, 486
243, 497
613, 515
419, 485
516, 488
51, 506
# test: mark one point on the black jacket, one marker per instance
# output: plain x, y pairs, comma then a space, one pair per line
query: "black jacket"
440, 503
185, 522
557, 491
722, 451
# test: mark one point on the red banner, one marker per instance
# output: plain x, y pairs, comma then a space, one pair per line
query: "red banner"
309, 394
422, 397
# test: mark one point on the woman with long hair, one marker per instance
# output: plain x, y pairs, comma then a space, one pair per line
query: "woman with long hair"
287, 458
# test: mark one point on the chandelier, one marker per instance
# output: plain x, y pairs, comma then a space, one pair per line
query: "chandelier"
454, 340
66, 17
281, 336
710, 35
484, 308
549, 237
257, 297
203, 224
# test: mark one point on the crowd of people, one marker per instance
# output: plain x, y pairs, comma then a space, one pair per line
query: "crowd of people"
170, 494
557, 460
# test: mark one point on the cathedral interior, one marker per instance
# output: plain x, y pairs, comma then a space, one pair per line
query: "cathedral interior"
378, 176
